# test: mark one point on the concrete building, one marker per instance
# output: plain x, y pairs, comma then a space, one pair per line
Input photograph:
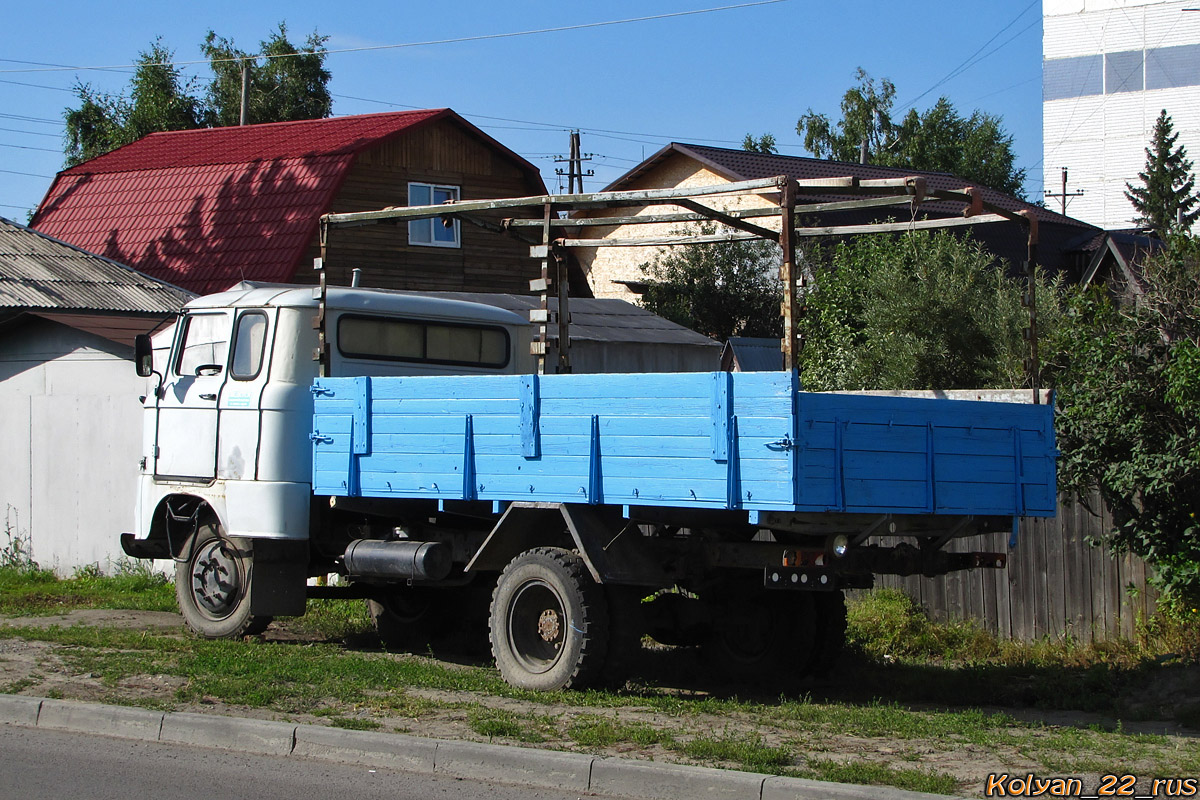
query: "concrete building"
1109, 68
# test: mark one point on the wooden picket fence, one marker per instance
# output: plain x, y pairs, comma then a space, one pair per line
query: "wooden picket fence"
1056, 584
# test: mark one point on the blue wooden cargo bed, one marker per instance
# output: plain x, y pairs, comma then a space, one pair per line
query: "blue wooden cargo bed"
721, 440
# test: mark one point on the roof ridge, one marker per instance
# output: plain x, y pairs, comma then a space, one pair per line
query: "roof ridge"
287, 122
265, 141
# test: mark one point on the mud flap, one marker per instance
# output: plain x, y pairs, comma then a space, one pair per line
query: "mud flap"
278, 586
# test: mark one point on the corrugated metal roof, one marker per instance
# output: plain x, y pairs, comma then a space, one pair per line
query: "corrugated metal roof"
207, 208
242, 144
38, 272
751, 354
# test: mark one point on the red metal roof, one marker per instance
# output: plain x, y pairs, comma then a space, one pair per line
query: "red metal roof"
270, 142
206, 208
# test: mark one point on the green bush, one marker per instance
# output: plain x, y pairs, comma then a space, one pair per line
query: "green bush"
888, 624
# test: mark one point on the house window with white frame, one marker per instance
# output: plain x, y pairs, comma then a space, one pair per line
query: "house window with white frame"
432, 232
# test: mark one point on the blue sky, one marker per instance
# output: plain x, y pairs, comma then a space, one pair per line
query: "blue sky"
706, 78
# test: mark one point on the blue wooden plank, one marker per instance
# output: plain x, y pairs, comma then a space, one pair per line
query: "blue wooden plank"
530, 411
468, 471
733, 475
454, 406
722, 411
595, 493
362, 414
639, 438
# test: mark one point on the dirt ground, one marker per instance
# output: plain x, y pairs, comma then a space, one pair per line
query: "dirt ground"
38, 669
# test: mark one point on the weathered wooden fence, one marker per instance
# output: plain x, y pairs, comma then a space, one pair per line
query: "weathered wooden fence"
1056, 584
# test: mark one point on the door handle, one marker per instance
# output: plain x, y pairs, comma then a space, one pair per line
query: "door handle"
208, 397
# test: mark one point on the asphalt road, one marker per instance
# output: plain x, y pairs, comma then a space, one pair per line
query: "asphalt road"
49, 765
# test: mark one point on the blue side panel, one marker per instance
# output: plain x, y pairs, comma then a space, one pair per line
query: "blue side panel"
874, 454
741, 440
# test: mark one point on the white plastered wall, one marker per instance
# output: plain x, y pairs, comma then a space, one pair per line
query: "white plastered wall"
70, 423
606, 267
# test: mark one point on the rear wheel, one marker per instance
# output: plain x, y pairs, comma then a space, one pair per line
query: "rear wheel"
212, 586
404, 618
761, 640
830, 634
549, 622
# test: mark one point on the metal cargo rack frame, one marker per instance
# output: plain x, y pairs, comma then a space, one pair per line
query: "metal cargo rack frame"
550, 241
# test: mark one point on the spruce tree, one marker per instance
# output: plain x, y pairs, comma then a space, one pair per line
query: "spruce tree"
1166, 201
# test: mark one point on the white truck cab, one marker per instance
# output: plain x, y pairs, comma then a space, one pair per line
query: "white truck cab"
226, 430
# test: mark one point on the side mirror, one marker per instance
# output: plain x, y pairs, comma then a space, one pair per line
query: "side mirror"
143, 355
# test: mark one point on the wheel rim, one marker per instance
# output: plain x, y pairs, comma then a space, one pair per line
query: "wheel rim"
216, 579
537, 626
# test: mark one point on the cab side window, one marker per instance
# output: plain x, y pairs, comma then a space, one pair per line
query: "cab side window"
249, 343
205, 343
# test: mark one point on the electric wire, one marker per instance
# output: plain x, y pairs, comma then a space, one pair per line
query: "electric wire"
967, 63
454, 40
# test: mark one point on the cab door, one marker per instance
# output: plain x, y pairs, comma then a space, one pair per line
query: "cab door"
187, 413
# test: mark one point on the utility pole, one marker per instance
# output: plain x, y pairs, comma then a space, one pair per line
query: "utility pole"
245, 91
575, 176
1064, 194
575, 173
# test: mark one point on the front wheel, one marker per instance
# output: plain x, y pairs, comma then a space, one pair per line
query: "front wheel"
549, 622
212, 586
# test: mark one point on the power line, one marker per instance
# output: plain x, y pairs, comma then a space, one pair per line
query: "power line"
967, 63
38, 86
60, 66
648, 138
30, 133
26, 174
455, 40
27, 147
1005, 89
31, 119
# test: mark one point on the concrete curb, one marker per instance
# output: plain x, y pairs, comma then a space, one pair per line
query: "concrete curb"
550, 769
17, 710
127, 723
229, 733
669, 781
397, 751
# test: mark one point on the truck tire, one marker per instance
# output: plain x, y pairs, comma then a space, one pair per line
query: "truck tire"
408, 618
212, 586
549, 622
762, 641
402, 619
829, 637
625, 628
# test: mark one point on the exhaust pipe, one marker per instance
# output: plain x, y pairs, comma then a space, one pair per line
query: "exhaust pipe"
398, 560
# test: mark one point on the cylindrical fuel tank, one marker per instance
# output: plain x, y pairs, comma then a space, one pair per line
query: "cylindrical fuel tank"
400, 559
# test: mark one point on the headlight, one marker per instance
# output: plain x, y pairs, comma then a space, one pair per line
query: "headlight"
840, 544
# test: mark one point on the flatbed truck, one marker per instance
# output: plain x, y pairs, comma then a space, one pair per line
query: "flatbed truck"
444, 481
